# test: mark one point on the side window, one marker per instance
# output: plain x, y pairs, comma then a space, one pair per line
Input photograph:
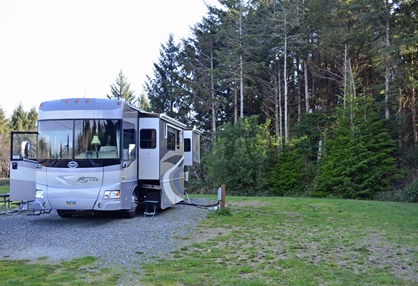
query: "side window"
24, 145
148, 139
187, 145
171, 140
129, 144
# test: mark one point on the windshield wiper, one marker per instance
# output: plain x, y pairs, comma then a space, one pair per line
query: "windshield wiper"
61, 152
81, 147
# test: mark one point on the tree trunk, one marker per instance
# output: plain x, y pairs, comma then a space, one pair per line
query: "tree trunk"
298, 87
414, 116
212, 93
345, 75
400, 113
235, 104
241, 77
276, 107
241, 88
286, 123
352, 93
387, 68
280, 107
305, 76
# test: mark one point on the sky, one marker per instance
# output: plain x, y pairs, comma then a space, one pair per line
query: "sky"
53, 49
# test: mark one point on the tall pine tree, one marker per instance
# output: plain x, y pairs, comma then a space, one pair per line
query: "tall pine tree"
122, 90
165, 90
358, 160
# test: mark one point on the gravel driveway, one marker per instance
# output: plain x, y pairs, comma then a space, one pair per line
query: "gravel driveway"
125, 242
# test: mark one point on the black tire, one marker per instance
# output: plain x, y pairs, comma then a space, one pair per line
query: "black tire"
131, 213
64, 214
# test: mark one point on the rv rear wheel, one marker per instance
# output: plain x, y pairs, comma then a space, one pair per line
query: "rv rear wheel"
64, 214
132, 212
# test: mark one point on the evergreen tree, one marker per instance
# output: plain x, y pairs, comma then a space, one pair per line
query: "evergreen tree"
4, 145
285, 60
122, 90
405, 39
231, 55
143, 102
201, 65
166, 91
287, 175
4, 129
32, 119
20, 120
358, 160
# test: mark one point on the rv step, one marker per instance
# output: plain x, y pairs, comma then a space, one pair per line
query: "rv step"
150, 208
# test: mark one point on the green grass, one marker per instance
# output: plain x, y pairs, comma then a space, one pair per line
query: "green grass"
267, 241
289, 241
75, 272
4, 186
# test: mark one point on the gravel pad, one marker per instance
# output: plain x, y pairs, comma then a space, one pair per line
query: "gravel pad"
111, 239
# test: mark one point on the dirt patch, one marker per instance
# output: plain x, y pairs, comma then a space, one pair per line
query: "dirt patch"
206, 234
253, 204
254, 247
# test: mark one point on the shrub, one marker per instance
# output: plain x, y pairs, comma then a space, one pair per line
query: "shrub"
408, 194
287, 174
240, 157
358, 161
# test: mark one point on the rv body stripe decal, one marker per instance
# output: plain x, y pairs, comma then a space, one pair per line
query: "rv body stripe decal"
166, 183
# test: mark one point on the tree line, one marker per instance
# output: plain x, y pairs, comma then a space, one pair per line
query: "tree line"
332, 84
20, 120
301, 97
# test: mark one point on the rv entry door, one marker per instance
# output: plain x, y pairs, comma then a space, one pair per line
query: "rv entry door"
23, 164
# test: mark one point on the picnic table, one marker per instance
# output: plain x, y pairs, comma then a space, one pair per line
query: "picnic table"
5, 201
6, 205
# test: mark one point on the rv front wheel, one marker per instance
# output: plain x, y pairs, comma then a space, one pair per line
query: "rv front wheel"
134, 205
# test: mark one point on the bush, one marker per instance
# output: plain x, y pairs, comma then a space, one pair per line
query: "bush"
240, 157
286, 175
408, 194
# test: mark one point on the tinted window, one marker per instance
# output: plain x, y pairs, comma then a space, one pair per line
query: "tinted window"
171, 141
148, 138
187, 145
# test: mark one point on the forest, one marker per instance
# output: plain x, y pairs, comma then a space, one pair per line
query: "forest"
296, 98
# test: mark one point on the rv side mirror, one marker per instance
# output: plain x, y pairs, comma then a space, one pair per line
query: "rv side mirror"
132, 152
24, 149
129, 155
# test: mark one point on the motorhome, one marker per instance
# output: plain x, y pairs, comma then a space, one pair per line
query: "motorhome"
93, 155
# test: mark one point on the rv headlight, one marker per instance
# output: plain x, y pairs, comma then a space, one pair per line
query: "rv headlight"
39, 194
111, 195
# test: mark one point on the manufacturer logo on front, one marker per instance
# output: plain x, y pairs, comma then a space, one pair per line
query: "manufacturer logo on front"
72, 164
87, 179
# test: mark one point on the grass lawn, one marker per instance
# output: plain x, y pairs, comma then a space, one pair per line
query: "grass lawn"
269, 241
4, 186
293, 241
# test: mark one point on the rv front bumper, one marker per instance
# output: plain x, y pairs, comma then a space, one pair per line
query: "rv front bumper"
107, 205
40, 205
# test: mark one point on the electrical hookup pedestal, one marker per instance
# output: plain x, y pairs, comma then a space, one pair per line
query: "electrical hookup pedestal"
221, 196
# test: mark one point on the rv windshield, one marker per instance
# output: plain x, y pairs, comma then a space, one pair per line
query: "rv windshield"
89, 142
